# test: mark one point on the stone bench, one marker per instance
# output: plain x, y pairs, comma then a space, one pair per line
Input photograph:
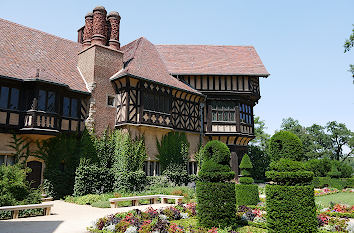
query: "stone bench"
153, 199
16, 208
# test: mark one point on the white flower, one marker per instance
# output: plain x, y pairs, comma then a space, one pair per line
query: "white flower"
163, 217
110, 228
184, 215
131, 229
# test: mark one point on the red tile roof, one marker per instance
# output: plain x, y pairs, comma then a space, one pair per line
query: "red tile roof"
23, 50
212, 59
143, 60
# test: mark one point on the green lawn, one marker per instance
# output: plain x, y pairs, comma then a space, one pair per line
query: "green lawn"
339, 198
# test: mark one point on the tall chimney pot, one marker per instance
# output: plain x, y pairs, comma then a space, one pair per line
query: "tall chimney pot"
88, 30
99, 25
114, 20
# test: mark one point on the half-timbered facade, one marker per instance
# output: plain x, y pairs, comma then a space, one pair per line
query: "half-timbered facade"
50, 85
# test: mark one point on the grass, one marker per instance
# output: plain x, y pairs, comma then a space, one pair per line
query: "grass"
186, 223
338, 198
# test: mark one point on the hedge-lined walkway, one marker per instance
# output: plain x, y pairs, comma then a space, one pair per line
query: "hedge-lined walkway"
65, 217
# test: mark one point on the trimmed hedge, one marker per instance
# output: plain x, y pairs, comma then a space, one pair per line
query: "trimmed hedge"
216, 204
247, 194
291, 178
216, 151
285, 144
214, 172
93, 179
246, 180
291, 209
321, 182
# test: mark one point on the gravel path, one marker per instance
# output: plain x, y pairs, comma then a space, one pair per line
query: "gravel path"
65, 218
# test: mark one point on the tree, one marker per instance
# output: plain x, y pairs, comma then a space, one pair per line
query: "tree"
348, 45
340, 137
262, 138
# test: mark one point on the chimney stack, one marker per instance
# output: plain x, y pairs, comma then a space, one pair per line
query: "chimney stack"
99, 26
88, 29
114, 20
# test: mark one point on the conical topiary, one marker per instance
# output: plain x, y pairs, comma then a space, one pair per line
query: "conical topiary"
246, 191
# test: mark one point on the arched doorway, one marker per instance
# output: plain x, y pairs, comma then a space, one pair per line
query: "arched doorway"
34, 177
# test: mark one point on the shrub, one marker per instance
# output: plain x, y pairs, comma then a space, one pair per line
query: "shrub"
321, 182
157, 182
214, 172
320, 167
132, 181
216, 151
14, 188
176, 173
291, 209
334, 173
216, 197
285, 144
247, 194
92, 179
101, 204
216, 204
260, 160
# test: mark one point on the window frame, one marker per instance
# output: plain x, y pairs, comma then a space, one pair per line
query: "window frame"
246, 113
70, 114
9, 98
220, 108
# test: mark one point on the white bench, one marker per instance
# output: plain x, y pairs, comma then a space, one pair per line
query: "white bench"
16, 208
153, 199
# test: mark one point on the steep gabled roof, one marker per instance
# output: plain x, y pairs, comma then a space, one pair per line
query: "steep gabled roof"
24, 50
143, 60
212, 60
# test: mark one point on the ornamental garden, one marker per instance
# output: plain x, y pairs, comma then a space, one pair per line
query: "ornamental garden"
293, 196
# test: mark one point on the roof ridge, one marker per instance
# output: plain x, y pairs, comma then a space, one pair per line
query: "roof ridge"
205, 45
36, 30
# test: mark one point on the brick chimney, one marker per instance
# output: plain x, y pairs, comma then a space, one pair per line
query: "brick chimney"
88, 29
114, 21
98, 61
99, 26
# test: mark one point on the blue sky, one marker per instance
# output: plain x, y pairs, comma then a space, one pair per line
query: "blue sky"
299, 42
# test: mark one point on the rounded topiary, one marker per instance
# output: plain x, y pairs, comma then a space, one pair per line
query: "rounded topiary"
217, 151
215, 194
285, 144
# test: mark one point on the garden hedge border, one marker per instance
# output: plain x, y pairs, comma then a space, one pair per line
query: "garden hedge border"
291, 209
247, 194
216, 204
338, 183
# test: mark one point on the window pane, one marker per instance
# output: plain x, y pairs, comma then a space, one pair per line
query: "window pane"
10, 160
74, 112
2, 159
4, 95
51, 101
151, 168
14, 98
232, 116
226, 116
219, 116
157, 168
41, 100
66, 106
214, 117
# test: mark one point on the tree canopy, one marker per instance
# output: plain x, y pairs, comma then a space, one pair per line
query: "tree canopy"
348, 45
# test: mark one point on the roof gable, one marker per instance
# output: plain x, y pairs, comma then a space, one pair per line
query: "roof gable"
143, 60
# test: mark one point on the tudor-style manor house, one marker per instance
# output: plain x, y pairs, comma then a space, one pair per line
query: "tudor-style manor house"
50, 85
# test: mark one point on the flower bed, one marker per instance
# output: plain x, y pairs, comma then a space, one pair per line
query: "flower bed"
325, 191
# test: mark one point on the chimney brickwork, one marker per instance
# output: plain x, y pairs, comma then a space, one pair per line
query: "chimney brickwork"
97, 63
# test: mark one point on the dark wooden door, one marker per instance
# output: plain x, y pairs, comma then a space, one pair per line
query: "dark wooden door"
34, 177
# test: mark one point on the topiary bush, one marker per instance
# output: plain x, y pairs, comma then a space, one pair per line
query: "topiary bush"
290, 198
215, 193
216, 151
246, 191
285, 144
